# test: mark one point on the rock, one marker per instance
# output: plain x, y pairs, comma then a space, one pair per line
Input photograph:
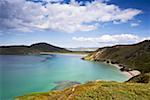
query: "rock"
65, 84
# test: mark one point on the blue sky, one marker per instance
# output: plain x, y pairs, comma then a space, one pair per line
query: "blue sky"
80, 23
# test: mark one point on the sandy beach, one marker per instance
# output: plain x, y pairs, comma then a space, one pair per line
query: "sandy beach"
69, 54
132, 73
129, 74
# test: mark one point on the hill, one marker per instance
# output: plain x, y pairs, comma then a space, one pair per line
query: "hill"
33, 49
83, 49
136, 56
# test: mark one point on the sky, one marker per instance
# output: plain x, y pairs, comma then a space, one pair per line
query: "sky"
74, 23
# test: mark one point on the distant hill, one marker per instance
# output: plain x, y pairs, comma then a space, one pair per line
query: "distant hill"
45, 47
33, 49
136, 56
83, 49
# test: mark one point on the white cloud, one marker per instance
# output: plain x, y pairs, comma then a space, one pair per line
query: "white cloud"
134, 24
28, 16
53, 0
112, 39
20, 15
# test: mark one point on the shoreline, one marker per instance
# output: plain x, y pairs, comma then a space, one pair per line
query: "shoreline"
129, 74
74, 54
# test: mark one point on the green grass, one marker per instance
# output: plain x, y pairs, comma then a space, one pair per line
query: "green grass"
96, 90
135, 56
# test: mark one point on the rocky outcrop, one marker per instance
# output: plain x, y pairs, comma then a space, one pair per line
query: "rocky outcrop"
65, 84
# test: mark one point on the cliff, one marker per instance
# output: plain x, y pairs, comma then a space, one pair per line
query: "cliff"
136, 56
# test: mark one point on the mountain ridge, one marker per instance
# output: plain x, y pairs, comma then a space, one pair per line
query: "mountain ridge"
32, 49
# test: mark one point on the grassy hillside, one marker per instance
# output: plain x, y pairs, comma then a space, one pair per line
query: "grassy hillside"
96, 90
45, 47
133, 89
33, 49
136, 56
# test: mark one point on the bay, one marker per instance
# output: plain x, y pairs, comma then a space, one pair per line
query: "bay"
38, 73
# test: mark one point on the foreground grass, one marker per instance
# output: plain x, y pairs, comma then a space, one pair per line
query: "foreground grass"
96, 90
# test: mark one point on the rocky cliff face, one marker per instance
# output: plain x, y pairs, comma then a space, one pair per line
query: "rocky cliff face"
136, 56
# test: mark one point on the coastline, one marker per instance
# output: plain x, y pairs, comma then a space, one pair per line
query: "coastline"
129, 74
74, 54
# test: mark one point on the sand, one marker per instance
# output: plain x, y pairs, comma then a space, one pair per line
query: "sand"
129, 74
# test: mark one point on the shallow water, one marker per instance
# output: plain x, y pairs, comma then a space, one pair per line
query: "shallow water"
25, 74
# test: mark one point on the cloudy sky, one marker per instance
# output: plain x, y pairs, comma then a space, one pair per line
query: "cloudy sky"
74, 23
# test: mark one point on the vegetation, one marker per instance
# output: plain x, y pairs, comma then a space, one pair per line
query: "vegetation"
96, 90
33, 49
38, 48
136, 56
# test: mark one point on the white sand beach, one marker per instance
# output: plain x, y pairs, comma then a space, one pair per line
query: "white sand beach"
69, 54
129, 74
132, 73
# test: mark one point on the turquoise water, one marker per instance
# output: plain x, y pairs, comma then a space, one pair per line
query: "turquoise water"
25, 74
